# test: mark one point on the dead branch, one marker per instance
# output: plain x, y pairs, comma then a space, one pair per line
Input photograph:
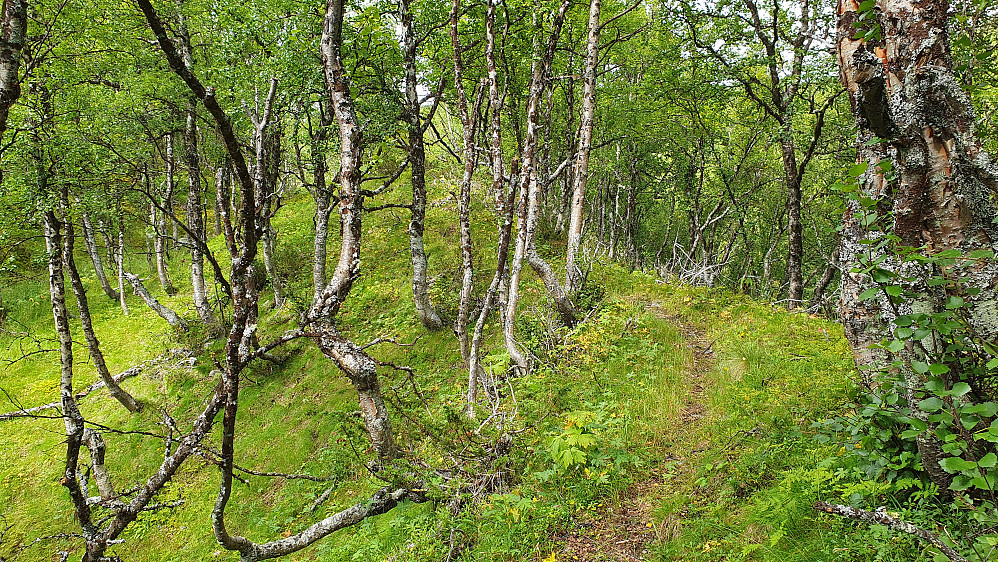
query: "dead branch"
881, 517
169, 315
130, 372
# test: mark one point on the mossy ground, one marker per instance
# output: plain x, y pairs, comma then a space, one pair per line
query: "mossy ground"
712, 440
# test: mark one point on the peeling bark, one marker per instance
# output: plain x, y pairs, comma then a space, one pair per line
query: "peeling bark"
903, 90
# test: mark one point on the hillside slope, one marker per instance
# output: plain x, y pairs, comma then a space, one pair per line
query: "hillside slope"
672, 424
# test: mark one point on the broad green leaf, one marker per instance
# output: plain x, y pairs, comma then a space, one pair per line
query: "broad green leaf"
960, 388
858, 169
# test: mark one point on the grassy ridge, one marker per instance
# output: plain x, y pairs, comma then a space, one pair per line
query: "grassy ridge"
629, 398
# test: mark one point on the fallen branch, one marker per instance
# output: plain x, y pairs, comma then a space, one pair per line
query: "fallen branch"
169, 315
127, 373
53, 405
881, 517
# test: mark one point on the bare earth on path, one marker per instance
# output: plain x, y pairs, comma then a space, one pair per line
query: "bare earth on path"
624, 530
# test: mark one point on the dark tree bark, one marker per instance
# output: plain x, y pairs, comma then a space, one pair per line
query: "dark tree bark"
13, 34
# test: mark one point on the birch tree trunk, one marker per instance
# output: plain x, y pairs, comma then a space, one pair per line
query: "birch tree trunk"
119, 257
266, 146
171, 190
504, 213
195, 218
417, 166
322, 195
90, 241
13, 34
902, 88
359, 368
580, 176
71, 415
93, 345
171, 317
195, 193
529, 189
162, 269
468, 125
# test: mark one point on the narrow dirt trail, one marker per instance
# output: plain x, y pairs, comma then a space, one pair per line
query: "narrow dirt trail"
624, 531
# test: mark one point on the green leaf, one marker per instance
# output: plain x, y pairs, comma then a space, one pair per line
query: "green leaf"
931, 404
869, 293
954, 302
858, 169
938, 369
988, 461
959, 484
981, 254
956, 464
881, 275
960, 388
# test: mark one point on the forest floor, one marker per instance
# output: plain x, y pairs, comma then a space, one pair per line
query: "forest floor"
696, 407
624, 530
